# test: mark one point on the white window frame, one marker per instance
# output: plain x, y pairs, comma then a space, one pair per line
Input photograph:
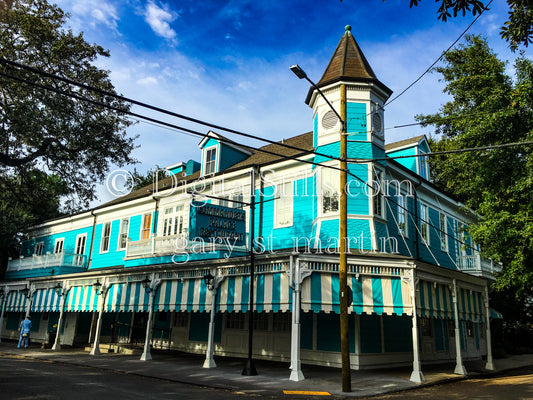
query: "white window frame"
327, 187
284, 200
173, 219
423, 164
424, 222
237, 200
103, 238
403, 215
59, 245
121, 235
213, 162
78, 239
443, 233
379, 198
38, 249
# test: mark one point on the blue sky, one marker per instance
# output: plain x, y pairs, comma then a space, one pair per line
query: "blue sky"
227, 61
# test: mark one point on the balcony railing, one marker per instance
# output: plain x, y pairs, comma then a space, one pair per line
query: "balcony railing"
174, 244
475, 265
48, 260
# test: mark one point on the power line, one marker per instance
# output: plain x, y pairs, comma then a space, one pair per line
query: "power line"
155, 108
437, 153
167, 124
438, 59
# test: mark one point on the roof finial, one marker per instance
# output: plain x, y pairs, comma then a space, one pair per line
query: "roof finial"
348, 28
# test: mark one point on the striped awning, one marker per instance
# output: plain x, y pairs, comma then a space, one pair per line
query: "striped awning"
130, 296
45, 300
435, 300
16, 301
371, 294
81, 298
271, 293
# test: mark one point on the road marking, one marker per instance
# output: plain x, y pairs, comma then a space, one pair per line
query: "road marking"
305, 392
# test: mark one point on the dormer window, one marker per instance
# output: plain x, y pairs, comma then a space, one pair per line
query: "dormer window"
210, 161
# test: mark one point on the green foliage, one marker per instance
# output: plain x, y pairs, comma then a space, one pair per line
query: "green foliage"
152, 175
76, 140
518, 30
53, 148
489, 108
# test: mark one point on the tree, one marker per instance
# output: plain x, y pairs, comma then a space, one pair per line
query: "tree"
76, 140
152, 176
518, 30
488, 108
53, 148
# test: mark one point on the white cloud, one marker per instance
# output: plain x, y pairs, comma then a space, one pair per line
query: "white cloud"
159, 20
149, 80
93, 12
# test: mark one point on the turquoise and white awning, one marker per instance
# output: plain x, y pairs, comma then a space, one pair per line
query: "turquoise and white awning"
45, 300
371, 294
81, 298
127, 297
271, 293
436, 301
16, 301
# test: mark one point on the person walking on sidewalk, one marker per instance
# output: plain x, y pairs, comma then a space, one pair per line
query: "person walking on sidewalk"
25, 327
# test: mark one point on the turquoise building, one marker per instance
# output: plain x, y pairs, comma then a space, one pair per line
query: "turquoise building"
171, 265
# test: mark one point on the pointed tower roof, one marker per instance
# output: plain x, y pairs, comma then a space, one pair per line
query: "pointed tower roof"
348, 64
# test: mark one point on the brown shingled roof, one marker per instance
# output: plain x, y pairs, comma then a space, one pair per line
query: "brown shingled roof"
348, 63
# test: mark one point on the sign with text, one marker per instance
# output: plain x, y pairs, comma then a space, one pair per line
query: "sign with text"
217, 223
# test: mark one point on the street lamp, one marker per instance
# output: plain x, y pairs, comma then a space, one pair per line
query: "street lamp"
208, 279
97, 286
59, 289
146, 284
26, 292
343, 233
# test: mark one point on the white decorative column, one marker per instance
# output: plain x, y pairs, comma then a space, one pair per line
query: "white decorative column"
297, 273
152, 285
63, 295
102, 292
3, 296
29, 296
459, 367
490, 364
416, 376
213, 287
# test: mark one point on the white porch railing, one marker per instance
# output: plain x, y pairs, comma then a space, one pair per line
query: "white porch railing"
174, 244
48, 260
475, 265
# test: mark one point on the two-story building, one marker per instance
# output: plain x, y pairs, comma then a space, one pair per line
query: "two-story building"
173, 264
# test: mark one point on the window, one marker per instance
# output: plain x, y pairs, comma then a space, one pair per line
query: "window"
106, 235
173, 221
58, 247
283, 205
402, 214
210, 161
123, 236
443, 232
424, 226
224, 201
146, 226
235, 320
425, 326
39, 247
237, 200
377, 195
330, 190
81, 240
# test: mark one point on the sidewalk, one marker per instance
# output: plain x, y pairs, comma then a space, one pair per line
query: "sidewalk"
272, 378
